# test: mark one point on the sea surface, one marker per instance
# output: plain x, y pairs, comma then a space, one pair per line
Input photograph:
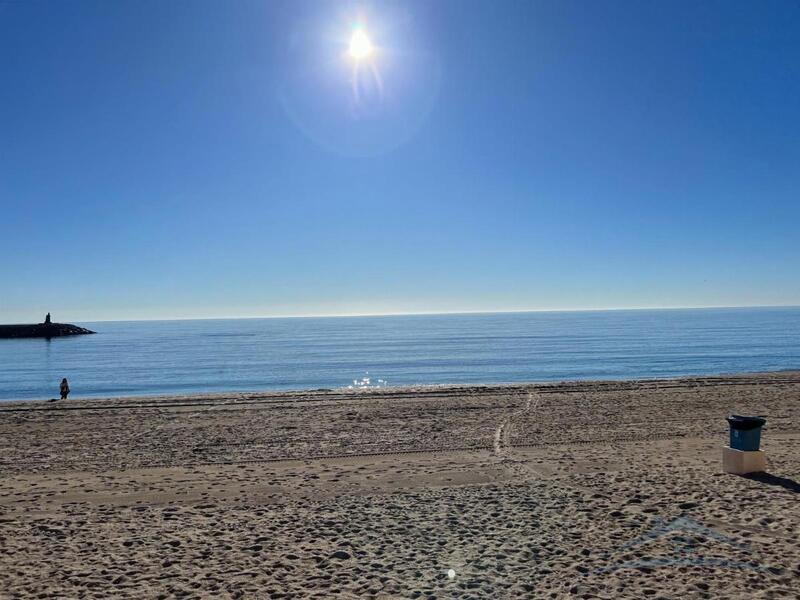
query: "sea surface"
177, 357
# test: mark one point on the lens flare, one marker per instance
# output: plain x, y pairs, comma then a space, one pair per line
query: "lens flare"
360, 47
359, 83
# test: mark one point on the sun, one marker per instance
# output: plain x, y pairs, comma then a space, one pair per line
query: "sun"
360, 47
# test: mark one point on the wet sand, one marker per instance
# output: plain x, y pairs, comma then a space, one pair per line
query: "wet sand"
574, 490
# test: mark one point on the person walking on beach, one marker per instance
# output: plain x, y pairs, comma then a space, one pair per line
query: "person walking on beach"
64, 388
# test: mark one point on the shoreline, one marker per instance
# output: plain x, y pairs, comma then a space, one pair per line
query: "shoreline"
388, 389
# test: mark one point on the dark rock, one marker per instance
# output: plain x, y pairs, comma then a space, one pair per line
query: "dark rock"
41, 330
341, 555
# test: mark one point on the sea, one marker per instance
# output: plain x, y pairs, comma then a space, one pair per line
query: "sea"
140, 358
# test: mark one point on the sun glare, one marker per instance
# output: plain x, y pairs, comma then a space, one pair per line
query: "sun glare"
360, 46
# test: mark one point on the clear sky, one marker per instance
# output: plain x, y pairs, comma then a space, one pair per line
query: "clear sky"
201, 159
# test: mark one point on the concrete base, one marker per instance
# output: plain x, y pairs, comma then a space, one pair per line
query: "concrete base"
741, 462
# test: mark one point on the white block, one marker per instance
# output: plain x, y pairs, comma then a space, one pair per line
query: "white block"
741, 462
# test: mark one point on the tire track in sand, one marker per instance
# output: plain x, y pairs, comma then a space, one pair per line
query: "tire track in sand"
520, 469
502, 435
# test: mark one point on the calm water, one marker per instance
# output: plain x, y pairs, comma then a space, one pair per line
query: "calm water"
165, 357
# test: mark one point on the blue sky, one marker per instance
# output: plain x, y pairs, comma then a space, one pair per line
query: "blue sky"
204, 159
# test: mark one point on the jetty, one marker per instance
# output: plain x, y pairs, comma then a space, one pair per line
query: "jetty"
47, 329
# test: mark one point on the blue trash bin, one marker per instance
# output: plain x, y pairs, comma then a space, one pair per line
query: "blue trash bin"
745, 432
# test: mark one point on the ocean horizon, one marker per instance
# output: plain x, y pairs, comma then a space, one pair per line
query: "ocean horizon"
146, 358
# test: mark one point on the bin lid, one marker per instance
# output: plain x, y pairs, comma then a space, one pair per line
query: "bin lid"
745, 423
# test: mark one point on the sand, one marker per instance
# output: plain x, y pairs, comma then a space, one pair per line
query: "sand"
574, 490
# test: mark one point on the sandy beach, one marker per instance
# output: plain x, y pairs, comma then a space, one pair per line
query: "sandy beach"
584, 490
